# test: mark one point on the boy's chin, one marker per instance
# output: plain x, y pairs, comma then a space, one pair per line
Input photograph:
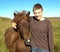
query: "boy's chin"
37, 18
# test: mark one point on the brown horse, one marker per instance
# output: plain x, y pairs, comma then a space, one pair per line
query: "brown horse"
18, 40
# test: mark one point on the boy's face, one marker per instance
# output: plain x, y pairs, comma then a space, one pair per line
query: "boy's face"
38, 13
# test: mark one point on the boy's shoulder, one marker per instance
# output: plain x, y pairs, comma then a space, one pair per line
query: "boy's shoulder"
47, 20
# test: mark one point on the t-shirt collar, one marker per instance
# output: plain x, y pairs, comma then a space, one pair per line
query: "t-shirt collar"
42, 19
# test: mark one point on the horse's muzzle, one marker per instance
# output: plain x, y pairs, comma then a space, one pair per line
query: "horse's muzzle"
27, 42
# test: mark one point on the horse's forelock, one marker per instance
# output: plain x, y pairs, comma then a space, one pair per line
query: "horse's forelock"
21, 13
18, 16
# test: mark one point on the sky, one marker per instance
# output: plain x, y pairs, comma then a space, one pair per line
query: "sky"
51, 8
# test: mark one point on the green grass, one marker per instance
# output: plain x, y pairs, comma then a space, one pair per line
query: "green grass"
6, 22
56, 33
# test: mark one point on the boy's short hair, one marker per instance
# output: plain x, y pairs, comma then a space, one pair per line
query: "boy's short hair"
37, 6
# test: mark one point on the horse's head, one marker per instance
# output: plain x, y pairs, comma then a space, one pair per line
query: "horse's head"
23, 25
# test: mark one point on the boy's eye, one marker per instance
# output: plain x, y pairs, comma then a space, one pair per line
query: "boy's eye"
38, 12
34, 13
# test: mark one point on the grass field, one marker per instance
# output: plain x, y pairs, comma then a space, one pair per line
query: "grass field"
6, 22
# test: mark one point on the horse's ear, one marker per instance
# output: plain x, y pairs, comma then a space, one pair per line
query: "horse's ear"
14, 14
28, 13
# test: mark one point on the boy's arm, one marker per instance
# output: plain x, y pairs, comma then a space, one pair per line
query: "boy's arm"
50, 38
